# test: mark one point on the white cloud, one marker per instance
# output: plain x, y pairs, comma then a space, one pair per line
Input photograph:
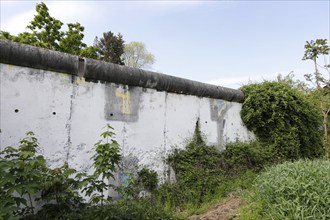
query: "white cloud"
65, 11
236, 82
71, 11
18, 23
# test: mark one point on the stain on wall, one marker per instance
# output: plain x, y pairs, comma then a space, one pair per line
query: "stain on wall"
121, 102
219, 109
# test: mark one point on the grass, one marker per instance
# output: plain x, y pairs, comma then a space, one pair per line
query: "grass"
293, 190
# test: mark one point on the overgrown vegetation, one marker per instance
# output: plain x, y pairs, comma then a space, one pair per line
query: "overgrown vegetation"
284, 121
204, 174
313, 50
293, 190
31, 190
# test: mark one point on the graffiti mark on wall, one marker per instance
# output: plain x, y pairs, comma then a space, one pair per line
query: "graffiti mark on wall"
218, 111
125, 100
219, 107
121, 102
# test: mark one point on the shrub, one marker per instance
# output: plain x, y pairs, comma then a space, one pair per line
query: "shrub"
283, 119
147, 179
298, 190
204, 173
197, 168
240, 157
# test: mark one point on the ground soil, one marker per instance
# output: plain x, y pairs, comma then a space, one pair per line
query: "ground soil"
226, 210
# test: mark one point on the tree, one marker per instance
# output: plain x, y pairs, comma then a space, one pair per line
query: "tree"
137, 56
111, 47
45, 31
72, 41
314, 49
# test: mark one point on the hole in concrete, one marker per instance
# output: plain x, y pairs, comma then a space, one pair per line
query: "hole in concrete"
111, 114
54, 113
205, 122
16, 110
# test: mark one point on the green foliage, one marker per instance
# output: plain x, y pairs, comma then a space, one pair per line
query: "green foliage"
240, 157
204, 174
45, 31
111, 47
283, 119
298, 190
107, 154
106, 159
147, 179
72, 40
136, 55
21, 172
197, 169
60, 193
138, 209
89, 52
313, 50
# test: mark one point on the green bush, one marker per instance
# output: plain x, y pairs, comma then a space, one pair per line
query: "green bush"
197, 169
203, 173
26, 182
147, 179
298, 190
240, 157
283, 119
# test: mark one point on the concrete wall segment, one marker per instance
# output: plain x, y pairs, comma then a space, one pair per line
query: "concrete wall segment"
40, 58
67, 112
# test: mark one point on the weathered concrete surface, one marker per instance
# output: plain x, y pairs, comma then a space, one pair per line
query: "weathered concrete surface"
67, 111
95, 70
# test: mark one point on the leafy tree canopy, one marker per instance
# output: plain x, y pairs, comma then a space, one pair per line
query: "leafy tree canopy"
137, 56
111, 47
45, 31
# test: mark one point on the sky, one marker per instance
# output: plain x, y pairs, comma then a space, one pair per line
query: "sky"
226, 43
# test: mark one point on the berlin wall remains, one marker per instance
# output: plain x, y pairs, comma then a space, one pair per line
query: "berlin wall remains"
66, 101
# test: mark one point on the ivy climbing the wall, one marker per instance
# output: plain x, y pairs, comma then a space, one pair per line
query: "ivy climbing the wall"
283, 119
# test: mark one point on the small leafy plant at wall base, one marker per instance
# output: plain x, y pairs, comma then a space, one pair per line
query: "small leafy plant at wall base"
60, 192
105, 161
21, 174
148, 179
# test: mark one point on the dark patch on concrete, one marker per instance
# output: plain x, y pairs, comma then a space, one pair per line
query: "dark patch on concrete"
68, 144
122, 102
218, 110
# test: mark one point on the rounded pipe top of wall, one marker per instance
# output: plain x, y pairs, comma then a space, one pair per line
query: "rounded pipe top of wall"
40, 58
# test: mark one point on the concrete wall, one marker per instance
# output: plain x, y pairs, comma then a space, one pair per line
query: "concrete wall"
66, 106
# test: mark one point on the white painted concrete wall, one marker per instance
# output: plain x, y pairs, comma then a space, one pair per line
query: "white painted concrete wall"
67, 115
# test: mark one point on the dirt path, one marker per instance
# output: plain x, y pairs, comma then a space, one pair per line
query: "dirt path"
226, 210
